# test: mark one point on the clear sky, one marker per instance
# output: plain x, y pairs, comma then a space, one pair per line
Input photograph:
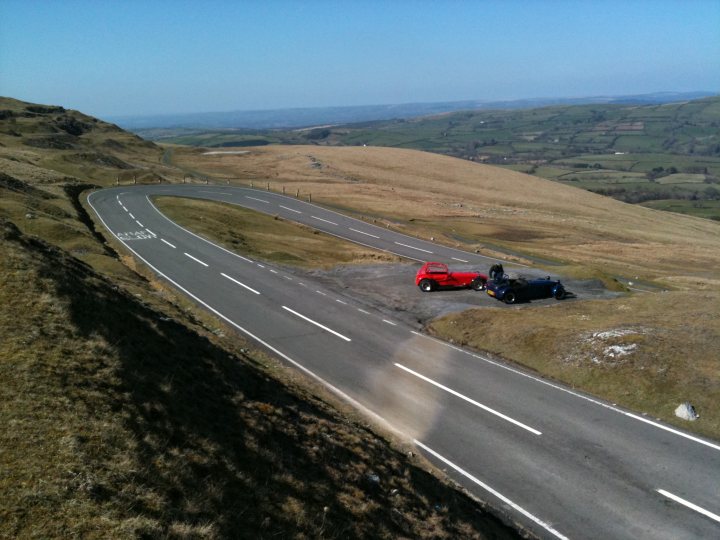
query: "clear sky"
131, 57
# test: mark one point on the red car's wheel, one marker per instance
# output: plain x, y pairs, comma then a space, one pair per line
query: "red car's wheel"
427, 285
478, 284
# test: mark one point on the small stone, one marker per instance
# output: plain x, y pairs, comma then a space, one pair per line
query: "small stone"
687, 412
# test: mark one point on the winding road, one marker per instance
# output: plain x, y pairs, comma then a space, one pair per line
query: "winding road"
561, 463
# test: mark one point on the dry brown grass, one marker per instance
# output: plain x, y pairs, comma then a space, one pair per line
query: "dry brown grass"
266, 237
671, 340
471, 204
675, 334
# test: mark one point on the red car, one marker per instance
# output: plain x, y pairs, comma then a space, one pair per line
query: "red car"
435, 275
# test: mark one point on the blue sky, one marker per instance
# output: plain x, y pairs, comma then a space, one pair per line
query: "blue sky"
151, 57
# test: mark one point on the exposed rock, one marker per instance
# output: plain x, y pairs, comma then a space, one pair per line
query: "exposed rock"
687, 412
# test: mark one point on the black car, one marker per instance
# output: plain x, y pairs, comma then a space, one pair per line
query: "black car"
509, 290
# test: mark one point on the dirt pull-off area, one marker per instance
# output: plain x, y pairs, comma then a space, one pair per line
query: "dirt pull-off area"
390, 288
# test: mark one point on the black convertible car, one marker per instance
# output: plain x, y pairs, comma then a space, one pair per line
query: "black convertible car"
503, 288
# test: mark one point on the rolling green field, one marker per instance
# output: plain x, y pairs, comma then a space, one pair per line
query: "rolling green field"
632, 153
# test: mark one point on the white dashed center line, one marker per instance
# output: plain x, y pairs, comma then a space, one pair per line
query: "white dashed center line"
690, 505
148, 230
469, 400
363, 232
341, 302
131, 216
461, 260
325, 220
239, 283
363, 311
413, 247
255, 199
196, 260
168, 243
290, 209
320, 292
136, 221
333, 332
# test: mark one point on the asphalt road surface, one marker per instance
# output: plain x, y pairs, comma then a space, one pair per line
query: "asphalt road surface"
561, 463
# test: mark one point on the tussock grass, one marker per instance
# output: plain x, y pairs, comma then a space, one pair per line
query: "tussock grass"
266, 237
121, 423
467, 204
671, 341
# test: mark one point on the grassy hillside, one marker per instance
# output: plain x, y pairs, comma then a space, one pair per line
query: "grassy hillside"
632, 153
668, 339
130, 413
485, 208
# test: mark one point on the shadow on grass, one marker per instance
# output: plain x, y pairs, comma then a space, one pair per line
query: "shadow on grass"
215, 448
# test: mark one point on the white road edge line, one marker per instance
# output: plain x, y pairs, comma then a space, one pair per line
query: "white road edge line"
333, 332
290, 209
460, 260
690, 505
363, 232
196, 260
497, 494
469, 400
239, 283
413, 247
168, 243
262, 342
325, 220
579, 395
256, 199
190, 232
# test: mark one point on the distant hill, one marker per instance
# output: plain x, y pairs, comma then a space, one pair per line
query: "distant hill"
304, 117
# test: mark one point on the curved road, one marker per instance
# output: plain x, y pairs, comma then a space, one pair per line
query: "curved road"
563, 464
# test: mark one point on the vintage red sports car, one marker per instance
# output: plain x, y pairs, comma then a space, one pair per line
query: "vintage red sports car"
436, 275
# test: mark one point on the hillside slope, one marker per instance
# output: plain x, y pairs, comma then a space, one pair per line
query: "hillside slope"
129, 413
482, 207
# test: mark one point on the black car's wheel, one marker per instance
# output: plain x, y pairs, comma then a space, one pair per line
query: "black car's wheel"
427, 285
478, 284
559, 294
510, 297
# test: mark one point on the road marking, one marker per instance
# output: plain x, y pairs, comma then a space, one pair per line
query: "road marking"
413, 247
136, 221
469, 400
325, 220
341, 302
363, 311
581, 396
317, 324
148, 230
363, 232
288, 278
125, 208
460, 260
690, 505
500, 496
256, 199
389, 322
239, 283
196, 260
133, 217
215, 192
119, 202
291, 209
168, 243
273, 271
320, 292
302, 284
260, 265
